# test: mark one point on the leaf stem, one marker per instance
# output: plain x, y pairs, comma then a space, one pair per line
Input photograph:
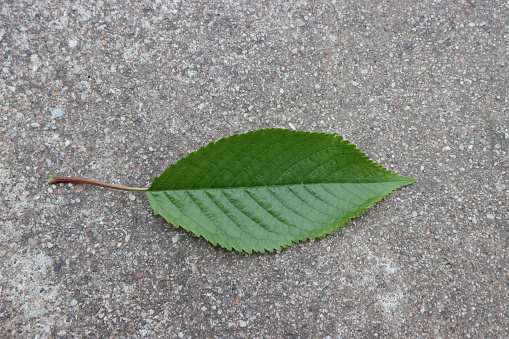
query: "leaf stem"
61, 180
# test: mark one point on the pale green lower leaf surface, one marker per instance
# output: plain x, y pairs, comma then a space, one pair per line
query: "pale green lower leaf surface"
267, 218
264, 190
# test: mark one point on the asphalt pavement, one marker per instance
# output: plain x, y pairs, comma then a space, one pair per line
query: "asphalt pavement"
118, 90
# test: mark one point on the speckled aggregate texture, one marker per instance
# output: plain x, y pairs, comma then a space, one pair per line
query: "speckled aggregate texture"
118, 90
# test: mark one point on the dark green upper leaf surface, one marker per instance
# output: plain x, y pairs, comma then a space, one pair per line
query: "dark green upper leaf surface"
272, 157
265, 189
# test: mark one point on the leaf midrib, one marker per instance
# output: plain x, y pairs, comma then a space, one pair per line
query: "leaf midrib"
281, 186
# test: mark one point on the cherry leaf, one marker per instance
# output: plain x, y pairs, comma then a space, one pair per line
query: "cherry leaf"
267, 189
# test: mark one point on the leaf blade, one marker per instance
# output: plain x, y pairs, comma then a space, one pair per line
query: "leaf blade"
267, 189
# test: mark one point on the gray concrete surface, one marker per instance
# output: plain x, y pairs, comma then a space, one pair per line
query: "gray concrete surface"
118, 90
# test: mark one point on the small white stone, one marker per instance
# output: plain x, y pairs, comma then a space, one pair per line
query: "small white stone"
132, 197
127, 238
201, 106
57, 113
49, 244
242, 323
73, 43
175, 238
490, 216
355, 83
291, 126
73, 303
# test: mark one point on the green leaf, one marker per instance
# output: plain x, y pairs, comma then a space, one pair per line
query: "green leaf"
267, 189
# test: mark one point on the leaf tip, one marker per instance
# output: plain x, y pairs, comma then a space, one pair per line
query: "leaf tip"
409, 180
